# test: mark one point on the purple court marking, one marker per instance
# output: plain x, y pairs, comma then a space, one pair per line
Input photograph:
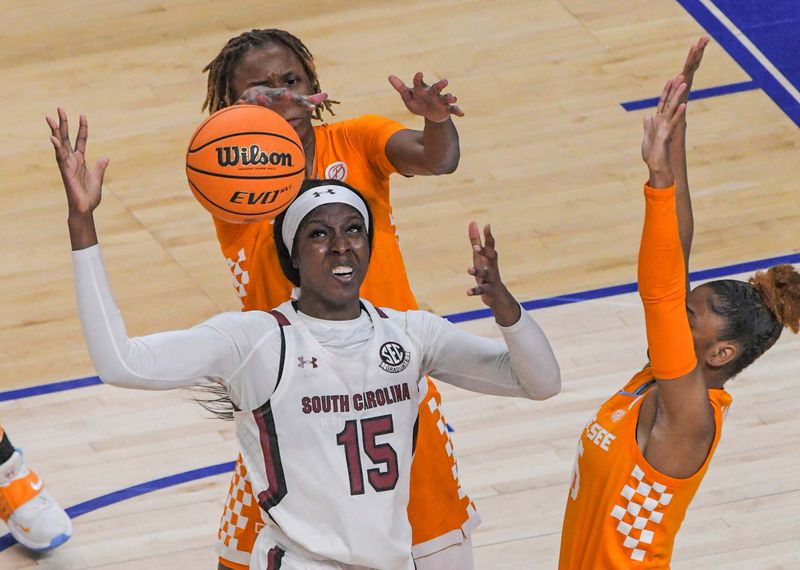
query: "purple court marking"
49, 388
713, 273
751, 18
532, 305
696, 94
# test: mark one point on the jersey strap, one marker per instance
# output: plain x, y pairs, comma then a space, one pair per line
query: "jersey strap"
282, 322
268, 440
281, 318
268, 437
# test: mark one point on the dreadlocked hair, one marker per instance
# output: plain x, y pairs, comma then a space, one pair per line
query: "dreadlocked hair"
221, 68
755, 313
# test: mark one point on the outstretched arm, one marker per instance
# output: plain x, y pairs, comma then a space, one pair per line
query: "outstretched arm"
523, 365
677, 153
161, 361
684, 426
156, 362
435, 149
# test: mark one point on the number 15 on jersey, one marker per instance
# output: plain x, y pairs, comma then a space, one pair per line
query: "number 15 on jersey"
384, 475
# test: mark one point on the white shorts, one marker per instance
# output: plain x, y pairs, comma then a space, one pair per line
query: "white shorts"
272, 551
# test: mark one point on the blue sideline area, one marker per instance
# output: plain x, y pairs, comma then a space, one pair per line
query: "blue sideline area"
772, 27
695, 94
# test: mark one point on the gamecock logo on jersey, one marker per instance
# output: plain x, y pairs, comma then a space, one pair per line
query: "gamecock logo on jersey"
394, 358
336, 171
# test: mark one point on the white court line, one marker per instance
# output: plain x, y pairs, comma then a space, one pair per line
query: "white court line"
774, 71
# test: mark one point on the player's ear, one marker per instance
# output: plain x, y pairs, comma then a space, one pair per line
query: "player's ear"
721, 353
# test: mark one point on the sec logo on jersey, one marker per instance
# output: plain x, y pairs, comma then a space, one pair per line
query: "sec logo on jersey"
394, 358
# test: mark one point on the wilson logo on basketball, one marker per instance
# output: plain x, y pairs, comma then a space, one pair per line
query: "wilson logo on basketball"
394, 358
250, 155
245, 163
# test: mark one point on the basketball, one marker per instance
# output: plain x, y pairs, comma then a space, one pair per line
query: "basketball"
245, 163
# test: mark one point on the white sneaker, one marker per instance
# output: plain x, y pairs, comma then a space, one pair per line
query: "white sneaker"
35, 520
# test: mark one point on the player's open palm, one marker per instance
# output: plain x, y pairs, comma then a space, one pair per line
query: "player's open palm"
427, 100
658, 128
488, 283
83, 186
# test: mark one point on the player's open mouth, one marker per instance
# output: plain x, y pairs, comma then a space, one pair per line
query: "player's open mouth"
342, 272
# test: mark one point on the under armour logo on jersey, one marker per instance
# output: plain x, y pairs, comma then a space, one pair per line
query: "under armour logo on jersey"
318, 194
302, 362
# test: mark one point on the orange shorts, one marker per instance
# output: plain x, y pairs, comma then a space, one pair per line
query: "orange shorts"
440, 512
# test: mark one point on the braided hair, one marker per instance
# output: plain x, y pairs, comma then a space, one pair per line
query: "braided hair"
221, 68
755, 313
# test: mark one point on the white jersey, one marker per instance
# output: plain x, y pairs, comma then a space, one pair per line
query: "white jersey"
326, 433
329, 454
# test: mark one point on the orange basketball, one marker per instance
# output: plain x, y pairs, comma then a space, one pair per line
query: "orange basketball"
245, 163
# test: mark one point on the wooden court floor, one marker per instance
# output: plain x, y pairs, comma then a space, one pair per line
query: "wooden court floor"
549, 157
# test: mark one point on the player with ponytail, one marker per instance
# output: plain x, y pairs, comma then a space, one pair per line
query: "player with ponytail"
643, 455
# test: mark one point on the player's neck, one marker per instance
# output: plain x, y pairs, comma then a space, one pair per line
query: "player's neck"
715, 379
320, 308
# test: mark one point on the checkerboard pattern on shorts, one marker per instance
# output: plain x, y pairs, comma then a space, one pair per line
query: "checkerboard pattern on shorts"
240, 495
639, 510
240, 277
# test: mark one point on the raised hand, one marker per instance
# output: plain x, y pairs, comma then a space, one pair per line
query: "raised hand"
692, 64
83, 186
427, 100
280, 99
677, 153
658, 130
489, 285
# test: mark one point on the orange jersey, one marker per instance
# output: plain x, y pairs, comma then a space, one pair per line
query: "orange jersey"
352, 151
621, 512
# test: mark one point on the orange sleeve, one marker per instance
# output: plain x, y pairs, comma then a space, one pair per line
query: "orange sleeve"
369, 134
662, 287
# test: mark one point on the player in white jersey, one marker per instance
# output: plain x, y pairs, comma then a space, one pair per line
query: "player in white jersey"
325, 389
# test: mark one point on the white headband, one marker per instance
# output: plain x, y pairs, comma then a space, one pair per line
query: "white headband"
319, 196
